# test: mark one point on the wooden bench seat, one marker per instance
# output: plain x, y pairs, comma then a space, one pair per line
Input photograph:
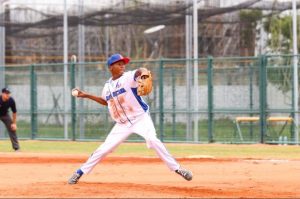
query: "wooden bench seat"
241, 119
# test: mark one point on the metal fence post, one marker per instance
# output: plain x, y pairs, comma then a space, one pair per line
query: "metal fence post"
73, 102
293, 113
210, 98
262, 97
161, 100
251, 97
33, 102
173, 104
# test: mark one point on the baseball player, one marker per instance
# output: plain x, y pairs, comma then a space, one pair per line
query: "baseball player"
122, 94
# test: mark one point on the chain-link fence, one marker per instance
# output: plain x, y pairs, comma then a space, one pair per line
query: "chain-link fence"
240, 100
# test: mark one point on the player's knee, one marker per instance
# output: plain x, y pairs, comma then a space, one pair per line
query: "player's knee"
149, 145
151, 142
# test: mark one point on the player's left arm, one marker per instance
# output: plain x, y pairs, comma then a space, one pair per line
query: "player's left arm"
14, 122
14, 116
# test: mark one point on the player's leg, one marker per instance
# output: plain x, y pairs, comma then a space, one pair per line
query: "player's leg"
145, 128
12, 133
117, 135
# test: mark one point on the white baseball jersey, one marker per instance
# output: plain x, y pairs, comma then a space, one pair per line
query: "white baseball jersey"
124, 105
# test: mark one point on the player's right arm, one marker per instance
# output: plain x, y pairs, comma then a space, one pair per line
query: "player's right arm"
95, 98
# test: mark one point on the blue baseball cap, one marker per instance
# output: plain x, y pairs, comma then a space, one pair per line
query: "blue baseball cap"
117, 57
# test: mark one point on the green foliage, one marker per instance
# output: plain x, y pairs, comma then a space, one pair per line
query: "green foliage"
286, 27
281, 30
280, 73
249, 19
281, 41
250, 16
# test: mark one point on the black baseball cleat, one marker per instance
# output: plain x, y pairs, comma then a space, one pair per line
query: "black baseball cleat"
74, 178
186, 174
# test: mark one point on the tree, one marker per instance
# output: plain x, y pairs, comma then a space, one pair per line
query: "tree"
248, 20
280, 41
280, 33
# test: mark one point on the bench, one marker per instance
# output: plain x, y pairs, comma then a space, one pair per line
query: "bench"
286, 120
239, 120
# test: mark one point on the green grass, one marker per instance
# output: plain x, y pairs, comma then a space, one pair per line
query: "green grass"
178, 150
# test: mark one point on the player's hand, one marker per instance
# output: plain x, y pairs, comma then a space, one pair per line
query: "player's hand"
81, 93
13, 127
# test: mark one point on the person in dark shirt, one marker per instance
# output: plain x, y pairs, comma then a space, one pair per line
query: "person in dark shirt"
6, 102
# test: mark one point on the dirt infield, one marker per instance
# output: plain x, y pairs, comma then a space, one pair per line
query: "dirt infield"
26, 175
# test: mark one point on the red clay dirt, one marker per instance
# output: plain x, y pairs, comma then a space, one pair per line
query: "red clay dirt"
27, 175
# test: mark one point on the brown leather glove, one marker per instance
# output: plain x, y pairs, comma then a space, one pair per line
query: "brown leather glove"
144, 82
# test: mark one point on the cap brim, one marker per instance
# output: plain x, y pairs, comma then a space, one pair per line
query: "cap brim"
126, 60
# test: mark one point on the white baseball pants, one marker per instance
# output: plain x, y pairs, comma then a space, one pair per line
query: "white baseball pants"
143, 127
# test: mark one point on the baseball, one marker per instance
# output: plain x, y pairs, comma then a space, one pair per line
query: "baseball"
75, 92
73, 58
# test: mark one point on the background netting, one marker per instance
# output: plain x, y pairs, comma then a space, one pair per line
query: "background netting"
34, 29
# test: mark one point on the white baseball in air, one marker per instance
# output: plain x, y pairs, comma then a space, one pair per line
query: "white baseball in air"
75, 92
73, 58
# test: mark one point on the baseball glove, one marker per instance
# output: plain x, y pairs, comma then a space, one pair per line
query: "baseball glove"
144, 82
